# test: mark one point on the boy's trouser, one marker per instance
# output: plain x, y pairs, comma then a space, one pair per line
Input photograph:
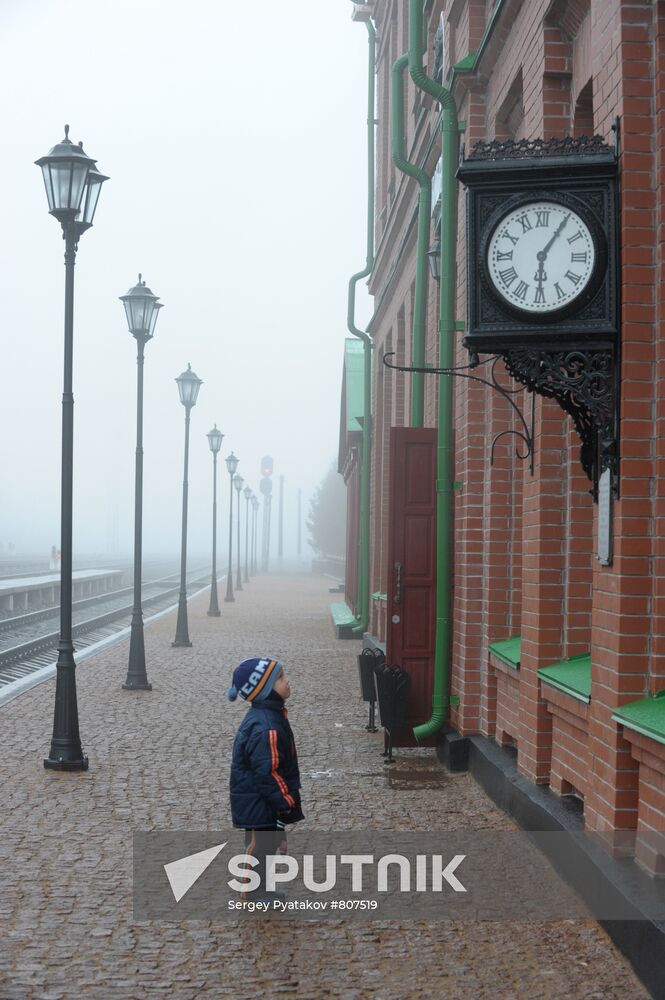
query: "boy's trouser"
259, 844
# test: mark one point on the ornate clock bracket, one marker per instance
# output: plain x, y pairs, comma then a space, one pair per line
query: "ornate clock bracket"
584, 382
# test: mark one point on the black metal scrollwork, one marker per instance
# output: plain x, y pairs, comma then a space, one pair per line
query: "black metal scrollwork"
525, 435
517, 149
584, 385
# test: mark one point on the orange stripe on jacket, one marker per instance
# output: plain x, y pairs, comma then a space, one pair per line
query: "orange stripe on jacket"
272, 738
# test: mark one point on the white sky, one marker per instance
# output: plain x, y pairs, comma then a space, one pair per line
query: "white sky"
234, 138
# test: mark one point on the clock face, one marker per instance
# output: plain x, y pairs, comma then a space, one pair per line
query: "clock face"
541, 257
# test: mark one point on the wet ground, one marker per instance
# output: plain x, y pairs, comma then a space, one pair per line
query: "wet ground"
159, 760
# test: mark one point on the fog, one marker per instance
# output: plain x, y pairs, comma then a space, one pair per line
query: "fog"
234, 139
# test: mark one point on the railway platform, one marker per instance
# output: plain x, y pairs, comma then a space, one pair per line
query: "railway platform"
160, 760
23, 592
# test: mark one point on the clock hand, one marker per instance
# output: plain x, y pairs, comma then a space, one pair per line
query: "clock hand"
542, 254
540, 276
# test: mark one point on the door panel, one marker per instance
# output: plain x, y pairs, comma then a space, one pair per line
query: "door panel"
412, 567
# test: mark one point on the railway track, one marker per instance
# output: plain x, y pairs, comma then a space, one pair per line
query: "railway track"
23, 626
19, 659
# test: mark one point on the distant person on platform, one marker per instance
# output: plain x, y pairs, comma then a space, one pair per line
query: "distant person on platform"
265, 780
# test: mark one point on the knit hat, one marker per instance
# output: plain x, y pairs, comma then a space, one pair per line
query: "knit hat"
253, 678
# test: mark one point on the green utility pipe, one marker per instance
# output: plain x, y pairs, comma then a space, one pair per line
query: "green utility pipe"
362, 614
424, 212
444, 472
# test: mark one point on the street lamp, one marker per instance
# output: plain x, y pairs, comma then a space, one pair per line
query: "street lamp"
247, 493
73, 184
141, 308
237, 482
434, 258
188, 388
231, 465
255, 513
215, 438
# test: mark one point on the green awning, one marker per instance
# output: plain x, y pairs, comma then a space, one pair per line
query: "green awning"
646, 716
353, 382
571, 676
508, 650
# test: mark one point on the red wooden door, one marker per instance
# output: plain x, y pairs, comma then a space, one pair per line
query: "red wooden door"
412, 567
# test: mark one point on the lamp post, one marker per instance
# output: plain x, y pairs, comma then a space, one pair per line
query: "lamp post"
231, 465
255, 508
215, 438
188, 387
73, 184
247, 493
237, 482
141, 309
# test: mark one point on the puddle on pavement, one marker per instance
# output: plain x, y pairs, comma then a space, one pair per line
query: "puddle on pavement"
411, 779
401, 779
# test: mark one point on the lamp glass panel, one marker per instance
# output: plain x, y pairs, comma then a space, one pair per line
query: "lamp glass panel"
215, 438
48, 184
232, 464
183, 389
189, 390
128, 313
92, 189
195, 385
68, 184
153, 319
238, 482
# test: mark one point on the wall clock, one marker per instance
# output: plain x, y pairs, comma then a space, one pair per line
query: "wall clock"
542, 277
542, 257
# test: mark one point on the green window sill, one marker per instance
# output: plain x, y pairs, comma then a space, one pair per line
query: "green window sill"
572, 676
508, 650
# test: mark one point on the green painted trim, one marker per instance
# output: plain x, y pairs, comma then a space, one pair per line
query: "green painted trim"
361, 622
572, 676
342, 614
508, 650
643, 730
418, 322
444, 420
454, 699
645, 716
467, 64
489, 28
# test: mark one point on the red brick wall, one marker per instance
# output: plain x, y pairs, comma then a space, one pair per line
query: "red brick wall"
569, 771
525, 545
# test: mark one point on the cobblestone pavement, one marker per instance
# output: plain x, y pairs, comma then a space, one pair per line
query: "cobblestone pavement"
160, 760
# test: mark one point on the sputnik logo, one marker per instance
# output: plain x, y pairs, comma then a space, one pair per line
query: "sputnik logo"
183, 873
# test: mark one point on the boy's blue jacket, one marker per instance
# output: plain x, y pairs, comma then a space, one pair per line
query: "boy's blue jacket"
265, 780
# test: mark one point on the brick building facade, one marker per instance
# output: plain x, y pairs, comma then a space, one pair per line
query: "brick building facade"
552, 653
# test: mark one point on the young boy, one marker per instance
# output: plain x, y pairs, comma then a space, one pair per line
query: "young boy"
265, 780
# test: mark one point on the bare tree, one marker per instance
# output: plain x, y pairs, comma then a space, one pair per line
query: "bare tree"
327, 515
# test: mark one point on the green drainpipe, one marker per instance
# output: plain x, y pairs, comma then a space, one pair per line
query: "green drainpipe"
424, 211
362, 614
444, 473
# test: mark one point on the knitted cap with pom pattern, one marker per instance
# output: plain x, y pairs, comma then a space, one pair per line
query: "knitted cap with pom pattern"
253, 679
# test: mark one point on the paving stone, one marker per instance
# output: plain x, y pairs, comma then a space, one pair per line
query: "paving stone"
160, 760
